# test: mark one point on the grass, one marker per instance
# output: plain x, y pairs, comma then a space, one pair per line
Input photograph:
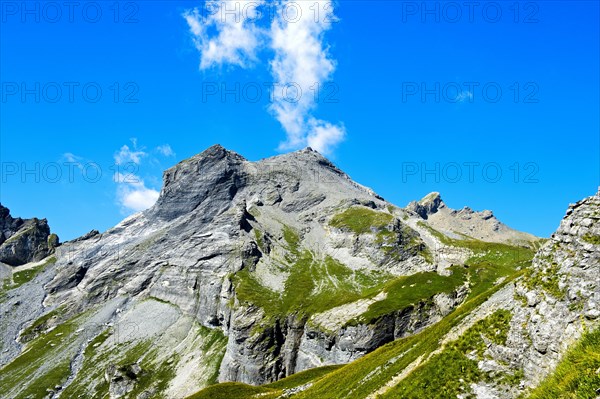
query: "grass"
545, 279
20, 233
259, 240
157, 371
361, 220
248, 289
234, 390
489, 261
43, 364
316, 286
577, 376
292, 239
214, 346
90, 371
155, 375
490, 267
403, 292
51, 378
40, 324
451, 372
592, 239
25, 276
46, 361
338, 285
90, 381
312, 287
367, 374
302, 378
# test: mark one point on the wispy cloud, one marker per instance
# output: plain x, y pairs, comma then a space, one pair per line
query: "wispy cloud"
464, 96
127, 154
237, 37
165, 150
302, 57
132, 193
230, 35
75, 160
72, 158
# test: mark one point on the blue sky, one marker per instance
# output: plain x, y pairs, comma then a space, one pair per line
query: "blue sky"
98, 100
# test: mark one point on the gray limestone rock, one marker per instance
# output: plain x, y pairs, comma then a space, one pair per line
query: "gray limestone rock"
23, 241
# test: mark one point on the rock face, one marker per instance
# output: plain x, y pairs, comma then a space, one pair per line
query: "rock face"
429, 205
24, 240
466, 222
562, 293
551, 306
242, 271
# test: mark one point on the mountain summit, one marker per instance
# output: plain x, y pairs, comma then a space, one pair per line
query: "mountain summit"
466, 222
249, 272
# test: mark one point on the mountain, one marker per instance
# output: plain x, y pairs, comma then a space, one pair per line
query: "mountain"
466, 222
24, 240
283, 277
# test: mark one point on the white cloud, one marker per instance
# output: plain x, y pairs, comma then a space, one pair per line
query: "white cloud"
300, 59
166, 150
237, 36
132, 193
75, 160
127, 178
126, 154
136, 197
324, 136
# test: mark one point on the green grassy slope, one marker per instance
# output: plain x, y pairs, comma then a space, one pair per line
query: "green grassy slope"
491, 267
233, 390
366, 375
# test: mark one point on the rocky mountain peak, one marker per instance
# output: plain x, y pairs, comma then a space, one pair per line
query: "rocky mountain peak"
306, 157
428, 205
210, 180
214, 173
24, 240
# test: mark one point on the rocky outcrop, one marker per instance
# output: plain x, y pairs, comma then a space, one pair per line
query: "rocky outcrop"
466, 223
561, 294
121, 379
429, 205
24, 240
551, 306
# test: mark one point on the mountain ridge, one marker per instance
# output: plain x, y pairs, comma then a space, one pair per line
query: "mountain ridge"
248, 272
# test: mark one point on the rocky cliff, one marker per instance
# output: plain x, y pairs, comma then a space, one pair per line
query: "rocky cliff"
466, 222
248, 272
24, 240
